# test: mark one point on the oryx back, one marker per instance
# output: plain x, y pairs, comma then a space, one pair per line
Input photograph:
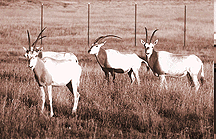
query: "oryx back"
118, 60
59, 55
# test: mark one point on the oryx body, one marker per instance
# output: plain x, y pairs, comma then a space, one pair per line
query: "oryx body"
163, 64
115, 62
54, 72
51, 72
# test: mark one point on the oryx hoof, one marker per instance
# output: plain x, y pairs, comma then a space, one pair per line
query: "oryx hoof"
73, 113
42, 112
51, 114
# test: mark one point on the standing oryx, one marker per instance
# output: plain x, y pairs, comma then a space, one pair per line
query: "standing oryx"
42, 54
54, 72
163, 64
115, 62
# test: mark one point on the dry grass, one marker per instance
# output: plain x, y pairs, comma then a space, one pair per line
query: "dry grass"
120, 110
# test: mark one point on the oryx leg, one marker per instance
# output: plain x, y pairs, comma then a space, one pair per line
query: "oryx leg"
196, 82
106, 74
76, 95
50, 99
136, 74
43, 98
73, 88
163, 81
113, 75
132, 78
106, 77
190, 80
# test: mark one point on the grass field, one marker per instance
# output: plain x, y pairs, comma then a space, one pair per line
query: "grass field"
120, 110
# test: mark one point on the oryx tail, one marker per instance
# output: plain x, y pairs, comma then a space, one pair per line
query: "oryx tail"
202, 75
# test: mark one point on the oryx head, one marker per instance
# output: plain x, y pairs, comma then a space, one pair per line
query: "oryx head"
33, 49
149, 46
32, 61
98, 44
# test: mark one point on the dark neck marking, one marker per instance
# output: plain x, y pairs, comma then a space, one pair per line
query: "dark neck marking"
154, 63
102, 58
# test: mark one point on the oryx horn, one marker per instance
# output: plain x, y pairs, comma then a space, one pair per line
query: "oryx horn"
146, 34
153, 35
29, 41
102, 37
38, 38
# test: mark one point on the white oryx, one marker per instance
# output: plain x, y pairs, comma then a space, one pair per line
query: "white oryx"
54, 72
163, 64
42, 54
115, 62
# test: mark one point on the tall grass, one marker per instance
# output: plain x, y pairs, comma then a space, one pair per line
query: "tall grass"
116, 110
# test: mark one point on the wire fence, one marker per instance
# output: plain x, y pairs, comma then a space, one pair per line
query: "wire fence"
135, 23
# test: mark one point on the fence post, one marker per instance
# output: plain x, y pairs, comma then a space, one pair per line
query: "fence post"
41, 20
88, 20
135, 20
185, 26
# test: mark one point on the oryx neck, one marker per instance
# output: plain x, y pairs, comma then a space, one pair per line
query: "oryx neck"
40, 54
153, 55
154, 63
39, 64
101, 57
41, 73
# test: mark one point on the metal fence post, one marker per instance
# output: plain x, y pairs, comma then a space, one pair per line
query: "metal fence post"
185, 26
88, 20
135, 20
41, 20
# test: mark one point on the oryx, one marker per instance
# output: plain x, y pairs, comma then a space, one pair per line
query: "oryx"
163, 64
42, 54
54, 72
115, 62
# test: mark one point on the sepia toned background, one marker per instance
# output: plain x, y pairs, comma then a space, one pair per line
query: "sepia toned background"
120, 110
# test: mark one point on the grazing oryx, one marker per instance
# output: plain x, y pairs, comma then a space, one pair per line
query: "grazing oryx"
54, 72
163, 64
42, 54
115, 62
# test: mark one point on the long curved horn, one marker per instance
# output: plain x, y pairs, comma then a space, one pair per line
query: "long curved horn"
146, 34
102, 37
153, 35
29, 41
38, 38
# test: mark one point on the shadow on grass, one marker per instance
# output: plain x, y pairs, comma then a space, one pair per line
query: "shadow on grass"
120, 119
189, 123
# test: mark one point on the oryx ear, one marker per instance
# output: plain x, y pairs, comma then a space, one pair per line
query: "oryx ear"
156, 42
32, 48
24, 49
143, 42
39, 48
102, 44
